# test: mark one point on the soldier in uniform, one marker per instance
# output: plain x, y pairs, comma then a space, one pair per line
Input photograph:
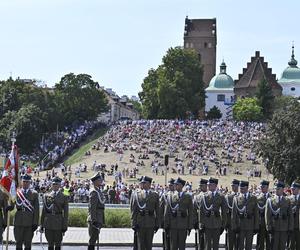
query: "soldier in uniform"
294, 237
145, 214
178, 215
212, 215
162, 205
279, 218
197, 203
245, 217
231, 235
263, 239
95, 217
3, 213
27, 215
55, 213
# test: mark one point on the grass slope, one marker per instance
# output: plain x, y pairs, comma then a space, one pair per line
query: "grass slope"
80, 152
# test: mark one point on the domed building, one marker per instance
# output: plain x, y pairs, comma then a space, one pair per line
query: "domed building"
290, 78
220, 93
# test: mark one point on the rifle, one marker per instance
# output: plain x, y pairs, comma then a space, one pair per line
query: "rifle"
135, 243
226, 239
164, 238
196, 239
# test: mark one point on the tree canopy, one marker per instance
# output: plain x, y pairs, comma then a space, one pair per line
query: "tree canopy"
214, 113
32, 111
247, 109
281, 145
265, 98
175, 89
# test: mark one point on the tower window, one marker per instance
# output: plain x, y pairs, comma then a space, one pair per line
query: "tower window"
205, 45
209, 45
293, 89
221, 98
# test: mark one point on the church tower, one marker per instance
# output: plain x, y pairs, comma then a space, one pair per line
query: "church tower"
201, 35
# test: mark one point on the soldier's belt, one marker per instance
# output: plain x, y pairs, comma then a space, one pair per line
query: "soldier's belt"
54, 213
212, 213
182, 214
23, 209
245, 216
146, 212
279, 216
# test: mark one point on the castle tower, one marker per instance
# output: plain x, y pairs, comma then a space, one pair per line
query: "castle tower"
201, 35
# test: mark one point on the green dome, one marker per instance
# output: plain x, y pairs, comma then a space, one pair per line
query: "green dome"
222, 80
292, 72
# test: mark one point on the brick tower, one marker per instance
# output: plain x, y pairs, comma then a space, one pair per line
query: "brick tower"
201, 35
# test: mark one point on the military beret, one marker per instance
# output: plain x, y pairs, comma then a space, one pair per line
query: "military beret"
213, 181
244, 183
26, 177
295, 185
180, 181
56, 180
96, 177
145, 179
235, 182
264, 183
279, 184
203, 182
171, 181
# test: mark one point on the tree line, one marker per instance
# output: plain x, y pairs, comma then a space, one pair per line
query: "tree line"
32, 111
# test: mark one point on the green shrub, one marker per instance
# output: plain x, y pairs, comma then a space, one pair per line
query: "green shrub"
114, 218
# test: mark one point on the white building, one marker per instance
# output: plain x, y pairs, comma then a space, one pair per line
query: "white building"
220, 93
290, 78
119, 108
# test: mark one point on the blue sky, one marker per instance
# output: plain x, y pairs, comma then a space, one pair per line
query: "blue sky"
118, 41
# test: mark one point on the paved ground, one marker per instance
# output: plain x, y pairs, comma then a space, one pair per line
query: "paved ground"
109, 237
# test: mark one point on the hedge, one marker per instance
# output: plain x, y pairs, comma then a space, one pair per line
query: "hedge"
114, 218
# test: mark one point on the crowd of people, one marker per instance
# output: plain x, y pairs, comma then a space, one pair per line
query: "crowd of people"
195, 148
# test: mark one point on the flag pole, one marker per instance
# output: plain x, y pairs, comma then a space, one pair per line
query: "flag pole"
13, 140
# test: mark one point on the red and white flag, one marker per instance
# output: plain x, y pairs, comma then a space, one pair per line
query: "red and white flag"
9, 178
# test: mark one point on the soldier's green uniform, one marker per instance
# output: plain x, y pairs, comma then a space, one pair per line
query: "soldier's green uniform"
196, 204
96, 211
212, 217
263, 238
27, 215
178, 216
294, 237
162, 205
231, 235
145, 214
3, 213
55, 214
279, 218
245, 217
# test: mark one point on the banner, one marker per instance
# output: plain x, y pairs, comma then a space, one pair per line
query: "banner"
9, 180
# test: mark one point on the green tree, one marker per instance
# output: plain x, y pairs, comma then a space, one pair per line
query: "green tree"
265, 97
175, 89
214, 113
79, 98
247, 109
28, 122
281, 145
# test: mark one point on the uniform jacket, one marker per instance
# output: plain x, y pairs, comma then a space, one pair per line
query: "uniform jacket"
261, 204
229, 203
281, 221
179, 211
24, 217
3, 206
248, 219
55, 211
96, 207
213, 211
196, 207
295, 203
145, 209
